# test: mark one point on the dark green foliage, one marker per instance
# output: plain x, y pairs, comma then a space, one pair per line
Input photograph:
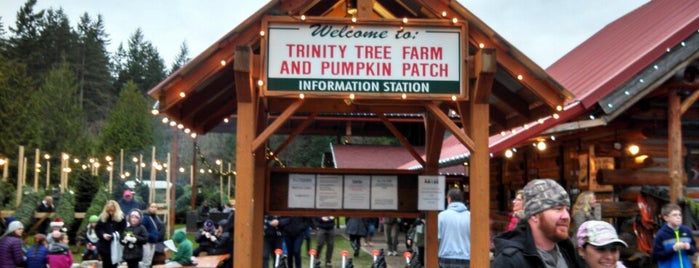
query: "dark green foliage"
182, 204
140, 63
18, 121
25, 211
24, 42
62, 126
128, 126
142, 192
65, 209
97, 93
86, 186
7, 193
95, 208
181, 59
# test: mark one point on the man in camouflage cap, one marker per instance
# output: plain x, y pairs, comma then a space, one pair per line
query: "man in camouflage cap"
540, 239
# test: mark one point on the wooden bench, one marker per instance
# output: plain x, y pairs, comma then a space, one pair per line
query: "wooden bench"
212, 261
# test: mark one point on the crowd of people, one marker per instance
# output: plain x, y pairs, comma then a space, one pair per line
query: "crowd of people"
543, 232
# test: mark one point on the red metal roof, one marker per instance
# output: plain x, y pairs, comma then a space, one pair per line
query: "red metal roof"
371, 156
624, 47
602, 63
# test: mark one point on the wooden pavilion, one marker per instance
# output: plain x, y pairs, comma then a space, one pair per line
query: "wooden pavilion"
498, 88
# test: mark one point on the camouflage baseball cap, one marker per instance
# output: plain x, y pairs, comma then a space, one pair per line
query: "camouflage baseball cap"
543, 194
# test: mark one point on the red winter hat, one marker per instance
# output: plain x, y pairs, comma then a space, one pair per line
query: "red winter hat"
57, 222
128, 192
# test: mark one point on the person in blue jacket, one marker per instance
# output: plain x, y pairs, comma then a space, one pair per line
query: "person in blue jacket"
673, 244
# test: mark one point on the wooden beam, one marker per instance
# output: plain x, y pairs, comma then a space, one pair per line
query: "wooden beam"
485, 66
453, 128
402, 139
262, 138
630, 177
243, 79
687, 103
293, 134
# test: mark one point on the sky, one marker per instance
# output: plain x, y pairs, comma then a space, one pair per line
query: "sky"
544, 30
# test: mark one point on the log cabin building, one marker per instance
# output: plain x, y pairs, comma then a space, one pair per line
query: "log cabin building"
611, 90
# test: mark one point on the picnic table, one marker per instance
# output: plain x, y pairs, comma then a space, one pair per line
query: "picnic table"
211, 261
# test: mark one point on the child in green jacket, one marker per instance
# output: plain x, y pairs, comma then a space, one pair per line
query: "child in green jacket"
183, 256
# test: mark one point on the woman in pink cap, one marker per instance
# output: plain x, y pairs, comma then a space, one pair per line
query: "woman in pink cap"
599, 245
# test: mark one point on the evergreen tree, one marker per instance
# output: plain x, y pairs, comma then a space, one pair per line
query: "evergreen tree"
128, 125
181, 59
24, 42
62, 127
95, 83
95, 208
65, 209
19, 125
140, 63
25, 211
86, 186
57, 42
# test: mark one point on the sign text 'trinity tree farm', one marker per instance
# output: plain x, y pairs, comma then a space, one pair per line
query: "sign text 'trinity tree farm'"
337, 59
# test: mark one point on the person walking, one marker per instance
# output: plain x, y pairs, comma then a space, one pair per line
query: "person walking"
391, 226
294, 229
540, 238
109, 227
454, 232
356, 228
272, 239
128, 202
325, 235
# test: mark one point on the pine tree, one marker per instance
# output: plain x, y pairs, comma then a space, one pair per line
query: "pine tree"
140, 63
181, 59
95, 208
57, 106
65, 209
19, 125
95, 83
57, 42
128, 126
25, 211
24, 42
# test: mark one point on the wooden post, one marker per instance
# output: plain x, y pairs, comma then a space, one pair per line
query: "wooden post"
151, 195
169, 191
479, 186
674, 146
193, 179
121, 163
48, 173
5, 169
37, 155
229, 181
20, 163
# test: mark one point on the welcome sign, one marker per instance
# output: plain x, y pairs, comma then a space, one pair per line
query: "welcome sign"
337, 59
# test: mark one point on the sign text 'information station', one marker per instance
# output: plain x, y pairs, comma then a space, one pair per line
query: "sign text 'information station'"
364, 59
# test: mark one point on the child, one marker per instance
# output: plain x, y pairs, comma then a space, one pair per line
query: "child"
59, 253
673, 243
135, 235
91, 239
183, 256
36, 255
56, 225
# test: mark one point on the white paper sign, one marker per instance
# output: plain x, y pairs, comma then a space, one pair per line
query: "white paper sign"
384, 192
329, 191
302, 190
430, 192
357, 191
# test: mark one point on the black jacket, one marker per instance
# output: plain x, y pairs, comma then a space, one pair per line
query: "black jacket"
134, 251
516, 248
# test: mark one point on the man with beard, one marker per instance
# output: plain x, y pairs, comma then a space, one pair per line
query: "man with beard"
540, 239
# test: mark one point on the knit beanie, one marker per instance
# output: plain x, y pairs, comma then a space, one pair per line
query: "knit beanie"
14, 226
543, 194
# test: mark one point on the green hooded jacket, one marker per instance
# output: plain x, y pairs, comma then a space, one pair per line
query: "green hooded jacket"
184, 248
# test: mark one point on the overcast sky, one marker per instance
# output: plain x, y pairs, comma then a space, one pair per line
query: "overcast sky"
544, 30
